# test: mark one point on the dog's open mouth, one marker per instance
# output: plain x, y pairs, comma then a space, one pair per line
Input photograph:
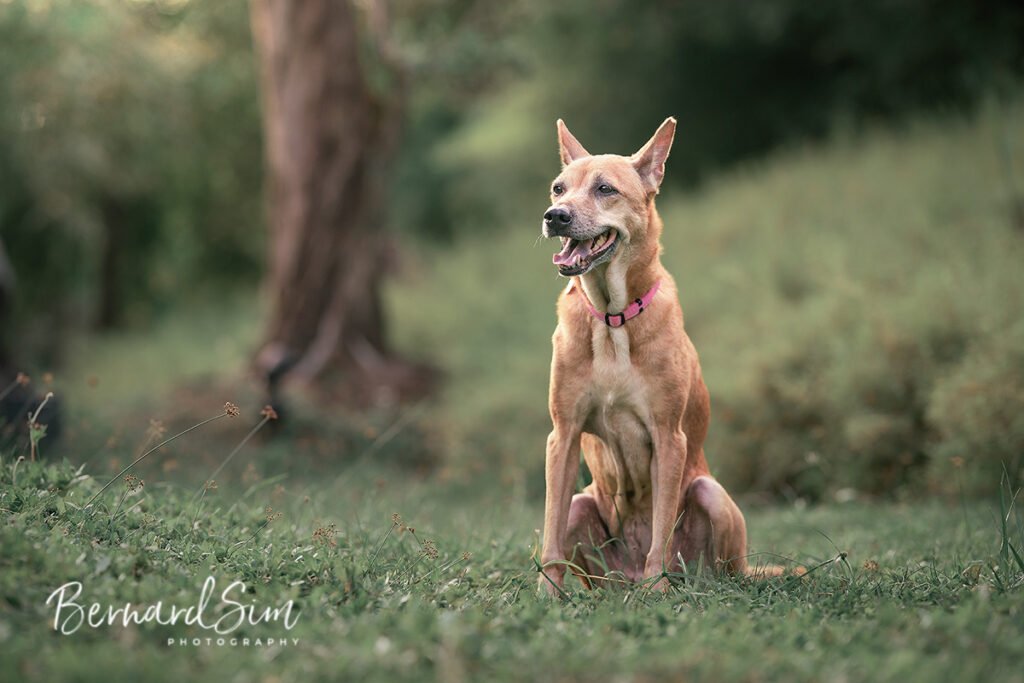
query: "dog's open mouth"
579, 256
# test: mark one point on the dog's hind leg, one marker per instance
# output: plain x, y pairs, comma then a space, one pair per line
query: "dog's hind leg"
591, 547
712, 528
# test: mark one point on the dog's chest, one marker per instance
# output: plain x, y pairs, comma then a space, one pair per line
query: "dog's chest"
618, 413
615, 383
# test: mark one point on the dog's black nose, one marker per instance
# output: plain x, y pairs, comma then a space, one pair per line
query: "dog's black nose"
557, 218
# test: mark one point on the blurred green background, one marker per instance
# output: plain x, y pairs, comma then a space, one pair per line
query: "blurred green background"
843, 211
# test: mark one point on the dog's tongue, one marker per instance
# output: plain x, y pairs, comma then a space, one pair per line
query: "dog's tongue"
571, 253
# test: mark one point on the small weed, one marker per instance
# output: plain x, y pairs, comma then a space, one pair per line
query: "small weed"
37, 431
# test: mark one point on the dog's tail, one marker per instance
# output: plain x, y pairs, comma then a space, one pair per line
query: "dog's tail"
767, 571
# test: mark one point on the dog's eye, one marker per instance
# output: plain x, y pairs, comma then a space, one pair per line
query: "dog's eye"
605, 188
557, 189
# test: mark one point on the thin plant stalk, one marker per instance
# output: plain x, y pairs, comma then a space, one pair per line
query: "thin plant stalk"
199, 507
233, 453
120, 502
39, 409
373, 558
271, 516
420, 555
154, 432
14, 470
561, 591
268, 414
36, 432
152, 450
254, 535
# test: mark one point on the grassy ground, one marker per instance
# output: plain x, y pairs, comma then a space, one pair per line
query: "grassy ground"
872, 285
923, 592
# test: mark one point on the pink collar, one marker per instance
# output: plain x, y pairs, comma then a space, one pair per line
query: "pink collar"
635, 308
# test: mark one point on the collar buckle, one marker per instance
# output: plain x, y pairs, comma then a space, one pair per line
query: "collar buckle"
608, 317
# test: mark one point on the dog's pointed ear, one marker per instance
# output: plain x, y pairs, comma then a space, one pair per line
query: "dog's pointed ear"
649, 162
569, 148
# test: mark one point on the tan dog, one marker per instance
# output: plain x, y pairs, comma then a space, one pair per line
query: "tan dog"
625, 387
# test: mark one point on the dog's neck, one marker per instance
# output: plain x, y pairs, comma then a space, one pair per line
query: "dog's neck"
611, 286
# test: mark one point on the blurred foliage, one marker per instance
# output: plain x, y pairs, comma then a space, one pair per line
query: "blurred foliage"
977, 410
131, 158
741, 77
881, 351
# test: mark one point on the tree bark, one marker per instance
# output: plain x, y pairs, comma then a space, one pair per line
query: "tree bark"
6, 311
328, 139
111, 303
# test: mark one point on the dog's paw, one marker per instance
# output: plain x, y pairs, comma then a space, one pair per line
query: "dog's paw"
550, 585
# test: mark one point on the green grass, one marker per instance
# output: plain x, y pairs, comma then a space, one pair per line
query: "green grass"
922, 592
109, 374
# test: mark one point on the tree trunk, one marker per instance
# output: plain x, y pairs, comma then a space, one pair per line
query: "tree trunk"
328, 139
6, 312
111, 304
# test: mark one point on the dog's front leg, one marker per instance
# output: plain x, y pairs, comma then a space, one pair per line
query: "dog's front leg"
560, 468
666, 480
